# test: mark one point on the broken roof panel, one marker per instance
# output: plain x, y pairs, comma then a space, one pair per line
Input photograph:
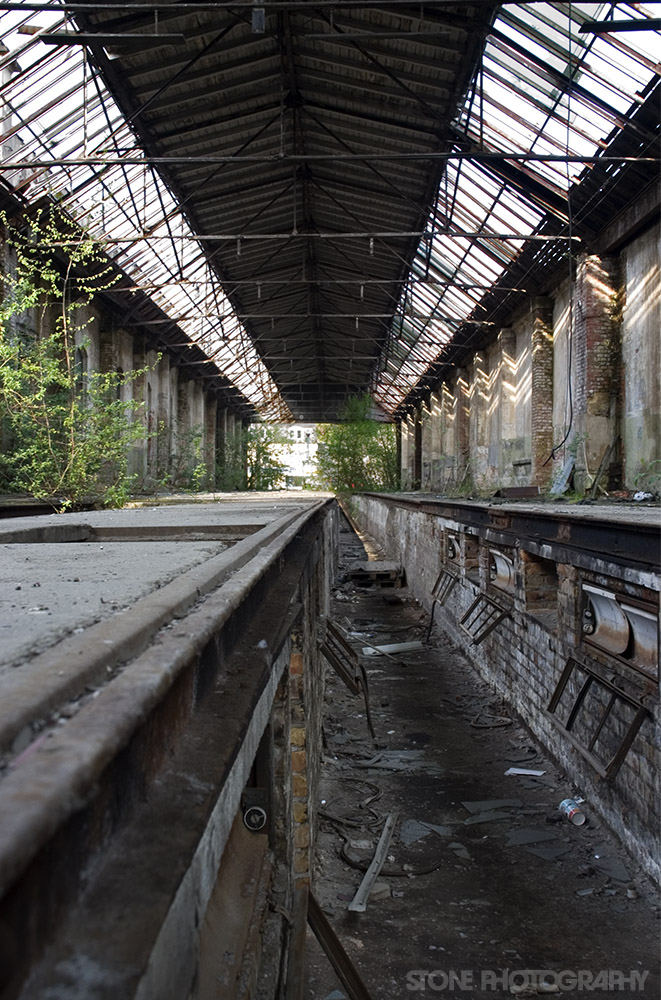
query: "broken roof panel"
543, 88
283, 194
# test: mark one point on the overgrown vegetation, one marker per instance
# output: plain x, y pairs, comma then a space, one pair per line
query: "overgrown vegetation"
263, 450
67, 431
358, 453
186, 468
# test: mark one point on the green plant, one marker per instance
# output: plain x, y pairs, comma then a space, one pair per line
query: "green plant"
188, 470
66, 430
648, 477
231, 467
263, 446
358, 453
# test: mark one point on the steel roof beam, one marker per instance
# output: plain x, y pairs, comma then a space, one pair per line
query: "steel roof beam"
477, 156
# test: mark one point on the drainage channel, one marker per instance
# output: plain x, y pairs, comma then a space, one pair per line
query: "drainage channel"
487, 889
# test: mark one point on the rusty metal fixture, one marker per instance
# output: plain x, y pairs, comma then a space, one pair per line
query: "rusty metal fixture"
483, 616
604, 622
254, 818
607, 757
643, 645
501, 571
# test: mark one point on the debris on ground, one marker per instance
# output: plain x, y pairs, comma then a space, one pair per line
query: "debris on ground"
475, 878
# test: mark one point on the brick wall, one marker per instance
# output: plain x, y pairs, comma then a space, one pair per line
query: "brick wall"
579, 365
523, 658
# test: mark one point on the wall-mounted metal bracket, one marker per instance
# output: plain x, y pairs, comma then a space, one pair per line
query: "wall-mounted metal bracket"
440, 592
482, 618
588, 680
341, 655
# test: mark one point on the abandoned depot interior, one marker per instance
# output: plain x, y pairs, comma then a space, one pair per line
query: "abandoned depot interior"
285, 746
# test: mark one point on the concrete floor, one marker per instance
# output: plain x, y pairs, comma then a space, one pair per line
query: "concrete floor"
499, 887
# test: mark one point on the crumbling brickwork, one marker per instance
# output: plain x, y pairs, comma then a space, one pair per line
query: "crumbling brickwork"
577, 366
541, 403
523, 657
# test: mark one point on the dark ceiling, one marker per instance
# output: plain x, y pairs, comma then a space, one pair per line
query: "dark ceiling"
284, 148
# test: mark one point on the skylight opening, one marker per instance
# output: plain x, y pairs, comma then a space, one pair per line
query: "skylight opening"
547, 90
54, 108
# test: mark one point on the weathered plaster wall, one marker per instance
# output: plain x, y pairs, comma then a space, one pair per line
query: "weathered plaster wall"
578, 367
177, 411
641, 362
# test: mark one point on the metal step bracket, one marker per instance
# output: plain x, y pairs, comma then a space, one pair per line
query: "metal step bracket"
343, 658
440, 592
483, 616
586, 681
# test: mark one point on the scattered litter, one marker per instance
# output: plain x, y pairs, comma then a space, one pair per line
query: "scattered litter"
410, 761
484, 720
419, 737
642, 495
393, 647
612, 867
442, 831
488, 805
571, 809
549, 852
359, 902
336, 995
632, 894
460, 851
380, 890
362, 845
527, 752
412, 831
528, 836
487, 817
585, 892
525, 771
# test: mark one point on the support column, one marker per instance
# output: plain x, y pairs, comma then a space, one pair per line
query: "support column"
221, 434
503, 430
210, 408
462, 433
417, 449
426, 445
434, 457
138, 458
507, 383
597, 355
164, 415
398, 441
541, 400
479, 406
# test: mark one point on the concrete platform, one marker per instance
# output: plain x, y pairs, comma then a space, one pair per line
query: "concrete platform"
143, 653
643, 513
60, 573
